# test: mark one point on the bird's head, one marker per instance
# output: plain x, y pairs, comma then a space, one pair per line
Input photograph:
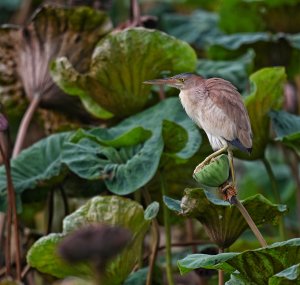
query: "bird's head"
181, 81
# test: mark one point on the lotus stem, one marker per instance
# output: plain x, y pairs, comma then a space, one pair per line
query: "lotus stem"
25, 124
221, 272
137, 195
155, 240
11, 213
167, 223
230, 158
190, 233
294, 169
249, 221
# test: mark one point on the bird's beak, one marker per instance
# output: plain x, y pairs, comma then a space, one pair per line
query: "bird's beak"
174, 82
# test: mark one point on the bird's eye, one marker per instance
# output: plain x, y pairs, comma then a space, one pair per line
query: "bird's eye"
181, 79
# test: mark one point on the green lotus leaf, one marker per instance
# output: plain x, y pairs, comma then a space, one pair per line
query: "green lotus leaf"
137, 278
124, 170
125, 156
264, 15
235, 279
236, 71
235, 41
267, 94
197, 29
254, 266
39, 164
43, 256
119, 65
151, 211
265, 45
217, 216
173, 204
140, 277
175, 137
110, 210
288, 276
287, 129
294, 40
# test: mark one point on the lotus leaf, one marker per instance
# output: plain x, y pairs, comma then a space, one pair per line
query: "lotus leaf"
111, 210
119, 65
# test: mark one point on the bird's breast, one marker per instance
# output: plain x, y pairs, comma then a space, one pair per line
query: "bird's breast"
192, 105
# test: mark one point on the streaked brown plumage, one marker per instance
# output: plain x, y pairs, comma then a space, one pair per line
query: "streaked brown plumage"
216, 106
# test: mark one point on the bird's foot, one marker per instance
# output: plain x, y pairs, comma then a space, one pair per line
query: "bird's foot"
203, 163
228, 191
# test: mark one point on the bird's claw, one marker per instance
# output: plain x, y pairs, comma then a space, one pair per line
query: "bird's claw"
229, 192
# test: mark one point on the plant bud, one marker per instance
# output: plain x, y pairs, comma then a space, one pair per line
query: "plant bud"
213, 174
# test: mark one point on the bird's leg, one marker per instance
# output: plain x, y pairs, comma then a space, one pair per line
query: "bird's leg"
230, 158
210, 157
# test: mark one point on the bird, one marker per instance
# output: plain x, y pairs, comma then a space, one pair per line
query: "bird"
216, 106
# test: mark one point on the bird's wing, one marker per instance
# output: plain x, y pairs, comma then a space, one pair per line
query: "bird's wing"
226, 97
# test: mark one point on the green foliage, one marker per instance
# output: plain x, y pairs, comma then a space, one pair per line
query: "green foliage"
288, 276
267, 94
127, 167
151, 211
253, 16
134, 147
140, 144
114, 77
217, 216
139, 277
236, 71
235, 41
197, 29
256, 266
111, 210
287, 129
38, 165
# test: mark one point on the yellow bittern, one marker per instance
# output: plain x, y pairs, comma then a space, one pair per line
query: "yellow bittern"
216, 106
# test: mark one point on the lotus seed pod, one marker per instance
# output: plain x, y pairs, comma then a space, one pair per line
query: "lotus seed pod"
213, 174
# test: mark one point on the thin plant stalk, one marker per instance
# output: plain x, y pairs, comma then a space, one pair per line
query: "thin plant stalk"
155, 240
138, 198
23, 128
167, 224
50, 211
136, 13
249, 221
292, 160
276, 195
8, 235
190, 233
12, 212
221, 272
65, 199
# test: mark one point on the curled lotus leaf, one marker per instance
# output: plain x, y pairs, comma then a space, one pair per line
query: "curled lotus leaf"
120, 63
223, 222
267, 94
53, 31
109, 210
